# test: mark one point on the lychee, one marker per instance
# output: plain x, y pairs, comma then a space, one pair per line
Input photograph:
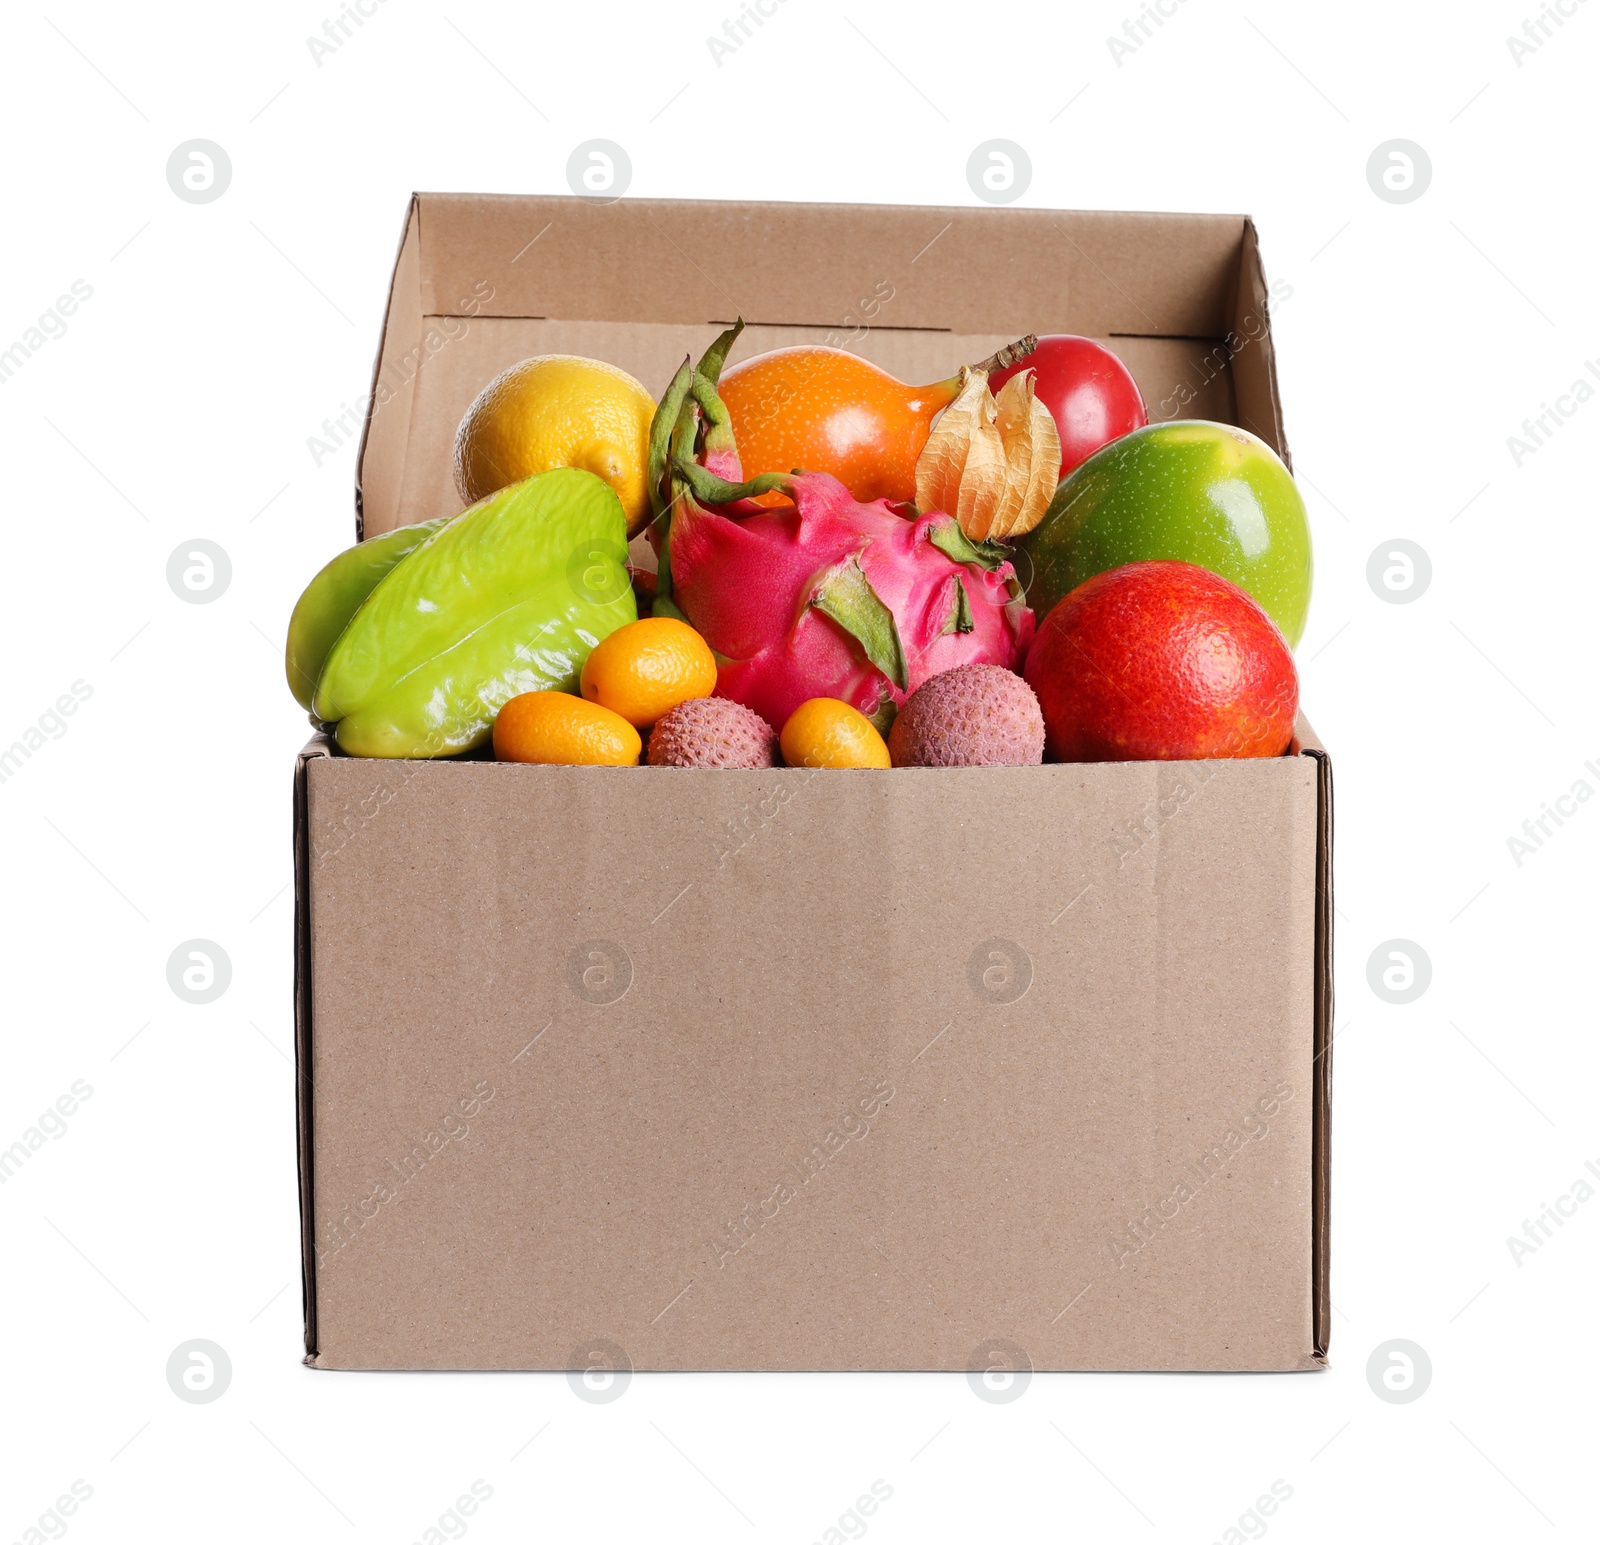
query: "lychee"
971, 716
712, 732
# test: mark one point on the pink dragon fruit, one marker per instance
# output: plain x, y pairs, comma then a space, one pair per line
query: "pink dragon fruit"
824, 597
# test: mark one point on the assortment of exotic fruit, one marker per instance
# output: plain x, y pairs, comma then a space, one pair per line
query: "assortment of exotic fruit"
1008, 567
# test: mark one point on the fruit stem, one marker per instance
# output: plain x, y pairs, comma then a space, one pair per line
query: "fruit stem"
1009, 355
950, 389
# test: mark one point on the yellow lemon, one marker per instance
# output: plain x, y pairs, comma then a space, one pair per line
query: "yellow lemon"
558, 410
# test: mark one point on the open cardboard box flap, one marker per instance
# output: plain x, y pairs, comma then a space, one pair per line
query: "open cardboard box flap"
482, 282
922, 1069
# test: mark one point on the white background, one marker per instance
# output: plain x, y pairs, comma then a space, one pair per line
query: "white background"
178, 405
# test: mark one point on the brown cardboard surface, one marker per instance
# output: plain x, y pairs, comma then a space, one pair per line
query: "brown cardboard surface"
776, 979
811, 264
483, 281
504, 1162
385, 437
1249, 358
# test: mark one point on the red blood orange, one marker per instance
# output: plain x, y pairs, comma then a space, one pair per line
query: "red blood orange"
1162, 661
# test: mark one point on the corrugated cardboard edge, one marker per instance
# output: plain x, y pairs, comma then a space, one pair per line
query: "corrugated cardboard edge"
319, 746
410, 245
1322, 1057
1251, 358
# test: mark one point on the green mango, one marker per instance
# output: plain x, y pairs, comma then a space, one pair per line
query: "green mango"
509, 597
328, 603
1202, 493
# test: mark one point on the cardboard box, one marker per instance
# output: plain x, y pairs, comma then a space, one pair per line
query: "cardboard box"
919, 1069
